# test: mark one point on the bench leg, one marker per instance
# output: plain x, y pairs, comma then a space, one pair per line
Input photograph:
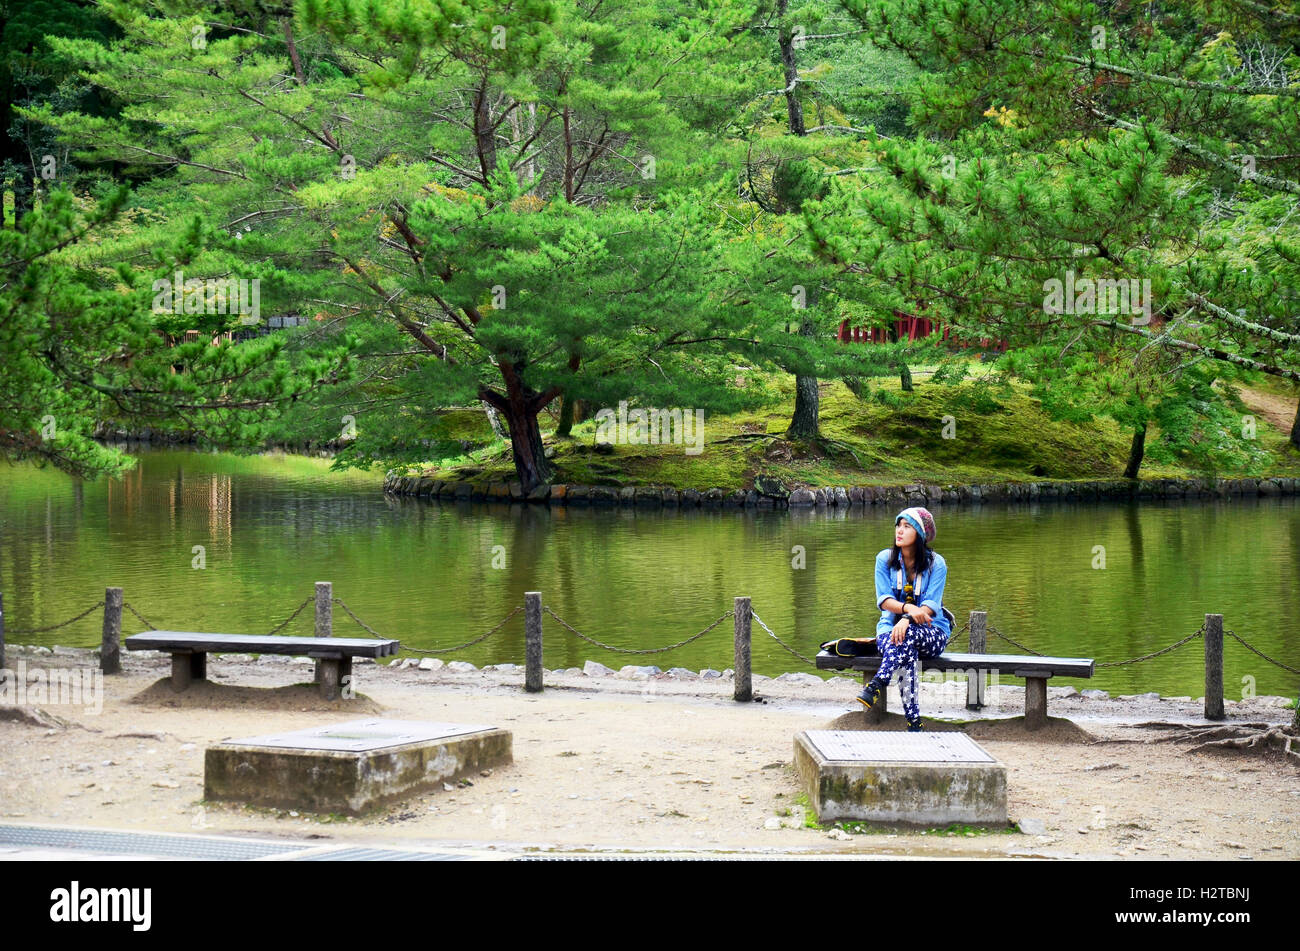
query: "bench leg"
1035, 703
331, 672
974, 689
182, 671
879, 710
187, 668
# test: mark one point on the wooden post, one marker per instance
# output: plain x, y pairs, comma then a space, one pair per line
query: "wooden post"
1214, 667
533, 641
110, 649
324, 609
979, 624
2, 636
744, 689
324, 622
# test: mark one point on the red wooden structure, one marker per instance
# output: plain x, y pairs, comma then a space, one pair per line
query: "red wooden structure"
907, 327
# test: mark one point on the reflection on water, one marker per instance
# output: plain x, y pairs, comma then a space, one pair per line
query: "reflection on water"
1085, 579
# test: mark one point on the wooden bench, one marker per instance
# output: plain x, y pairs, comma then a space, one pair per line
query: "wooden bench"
1034, 670
189, 650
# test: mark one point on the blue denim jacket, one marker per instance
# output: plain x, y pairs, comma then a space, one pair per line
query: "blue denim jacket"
928, 589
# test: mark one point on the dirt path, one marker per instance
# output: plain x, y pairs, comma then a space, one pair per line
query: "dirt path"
659, 764
1278, 410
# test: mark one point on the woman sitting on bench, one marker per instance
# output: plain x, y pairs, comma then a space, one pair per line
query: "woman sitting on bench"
913, 621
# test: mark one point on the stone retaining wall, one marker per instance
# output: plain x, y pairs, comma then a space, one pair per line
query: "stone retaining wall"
842, 496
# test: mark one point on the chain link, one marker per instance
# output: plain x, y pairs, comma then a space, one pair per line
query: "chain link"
1164, 650
1028, 650
1113, 663
1255, 650
658, 650
141, 617
285, 623
806, 660
55, 627
429, 650
626, 650
964, 627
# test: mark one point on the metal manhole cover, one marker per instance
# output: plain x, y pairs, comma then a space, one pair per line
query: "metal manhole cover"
867, 746
378, 855
136, 843
361, 735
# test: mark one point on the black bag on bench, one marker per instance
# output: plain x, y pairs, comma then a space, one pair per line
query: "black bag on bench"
852, 647
866, 646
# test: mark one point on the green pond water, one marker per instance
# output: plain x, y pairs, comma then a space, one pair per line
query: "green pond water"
437, 575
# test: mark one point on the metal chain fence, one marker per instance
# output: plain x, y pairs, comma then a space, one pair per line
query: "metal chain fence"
285, 623
429, 650
657, 650
1255, 650
1028, 650
143, 620
55, 627
626, 650
1164, 650
805, 659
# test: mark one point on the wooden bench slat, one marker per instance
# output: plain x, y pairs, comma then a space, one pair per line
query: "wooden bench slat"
1016, 664
197, 642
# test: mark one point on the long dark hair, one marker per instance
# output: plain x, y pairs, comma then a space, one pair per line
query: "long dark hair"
924, 557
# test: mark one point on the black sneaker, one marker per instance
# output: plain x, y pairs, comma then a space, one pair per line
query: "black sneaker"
870, 694
914, 726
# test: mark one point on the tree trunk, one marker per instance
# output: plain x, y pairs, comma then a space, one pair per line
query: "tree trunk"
785, 39
520, 406
531, 465
565, 426
484, 135
567, 407
804, 425
494, 419
1135, 453
23, 193
807, 400
1295, 428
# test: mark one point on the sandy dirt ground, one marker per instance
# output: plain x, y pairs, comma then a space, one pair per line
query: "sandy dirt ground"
1278, 410
664, 764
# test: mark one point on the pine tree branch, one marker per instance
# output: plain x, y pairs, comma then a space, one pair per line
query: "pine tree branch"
323, 137
1207, 351
472, 176
180, 161
414, 329
1292, 91
1285, 339
1268, 181
838, 128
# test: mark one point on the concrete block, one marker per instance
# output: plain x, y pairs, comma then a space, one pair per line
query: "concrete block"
350, 768
918, 778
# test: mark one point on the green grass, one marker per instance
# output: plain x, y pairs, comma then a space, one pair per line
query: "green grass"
1001, 434
873, 828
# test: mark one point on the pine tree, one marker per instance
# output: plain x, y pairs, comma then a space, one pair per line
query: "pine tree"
1078, 142
364, 164
79, 345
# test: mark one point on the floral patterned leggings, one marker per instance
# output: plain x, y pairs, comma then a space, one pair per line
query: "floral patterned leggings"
921, 640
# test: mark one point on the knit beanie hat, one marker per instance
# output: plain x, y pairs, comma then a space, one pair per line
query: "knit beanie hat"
921, 520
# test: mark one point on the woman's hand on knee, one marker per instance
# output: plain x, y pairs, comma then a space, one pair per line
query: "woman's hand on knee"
900, 631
